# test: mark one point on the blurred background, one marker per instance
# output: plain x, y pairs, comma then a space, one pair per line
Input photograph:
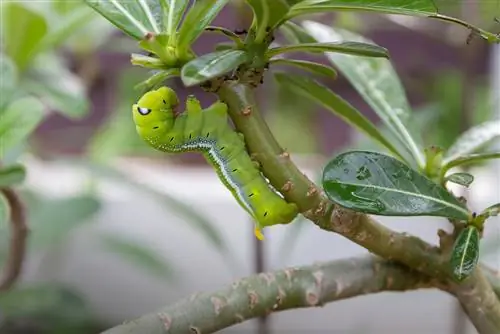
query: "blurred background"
119, 230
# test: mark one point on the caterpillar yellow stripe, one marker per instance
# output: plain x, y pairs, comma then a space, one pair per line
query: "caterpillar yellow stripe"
208, 132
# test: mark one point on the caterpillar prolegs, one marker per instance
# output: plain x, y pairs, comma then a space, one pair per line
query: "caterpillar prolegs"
207, 131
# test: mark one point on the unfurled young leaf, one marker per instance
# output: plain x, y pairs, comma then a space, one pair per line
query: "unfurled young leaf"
465, 253
463, 179
378, 184
211, 65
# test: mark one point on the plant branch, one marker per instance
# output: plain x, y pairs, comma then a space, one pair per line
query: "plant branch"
493, 277
261, 294
19, 232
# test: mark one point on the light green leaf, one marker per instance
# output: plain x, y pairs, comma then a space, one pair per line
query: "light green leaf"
224, 46
147, 61
378, 184
295, 34
310, 66
66, 27
12, 175
320, 94
377, 82
267, 14
17, 121
465, 253
52, 220
211, 65
157, 79
173, 10
228, 33
135, 18
8, 82
58, 87
491, 211
350, 48
463, 179
472, 140
140, 256
402, 7
199, 16
23, 29
469, 159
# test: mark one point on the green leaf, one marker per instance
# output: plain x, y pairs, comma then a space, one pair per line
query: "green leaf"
351, 48
62, 90
157, 79
8, 82
199, 16
310, 66
472, 140
491, 211
295, 34
17, 121
378, 184
463, 179
12, 175
320, 94
211, 65
173, 10
377, 82
141, 256
224, 46
23, 29
68, 25
267, 14
465, 253
402, 7
52, 220
469, 159
229, 34
135, 18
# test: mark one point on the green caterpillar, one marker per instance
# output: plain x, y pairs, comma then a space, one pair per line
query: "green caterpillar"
207, 131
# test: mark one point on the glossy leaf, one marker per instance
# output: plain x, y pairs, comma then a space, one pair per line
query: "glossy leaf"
351, 48
463, 179
173, 10
8, 82
199, 16
320, 94
473, 139
211, 65
378, 184
140, 256
465, 254
135, 18
377, 82
17, 122
469, 159
26, 28
12, 175
52, 220
310, 66
61, 89
403, 7
157, 79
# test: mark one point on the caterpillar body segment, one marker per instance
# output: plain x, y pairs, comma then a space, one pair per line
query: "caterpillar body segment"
207, 131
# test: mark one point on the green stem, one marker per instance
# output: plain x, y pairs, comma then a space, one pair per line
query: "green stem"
291, 288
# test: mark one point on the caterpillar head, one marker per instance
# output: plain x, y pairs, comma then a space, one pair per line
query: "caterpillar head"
153, 114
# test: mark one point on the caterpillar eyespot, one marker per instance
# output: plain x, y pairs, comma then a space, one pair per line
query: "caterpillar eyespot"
207, 131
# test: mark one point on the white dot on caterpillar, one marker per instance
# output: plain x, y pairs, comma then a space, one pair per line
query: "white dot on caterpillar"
247, 111
285, 155
287, 186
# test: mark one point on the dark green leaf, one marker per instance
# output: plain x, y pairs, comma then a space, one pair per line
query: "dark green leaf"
141, 256
199, 16
135, 18
58, 87
351, 48
377, 82
403, 7
157, 79
211, 65
463, 179
469, 159
173, 10
8, 82
12, 175
375, 183
53, 219
320, 94
23, 29
17, 122
312, 67
465, 253
472, 140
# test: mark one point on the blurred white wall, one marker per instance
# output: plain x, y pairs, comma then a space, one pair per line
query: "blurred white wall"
118, 291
